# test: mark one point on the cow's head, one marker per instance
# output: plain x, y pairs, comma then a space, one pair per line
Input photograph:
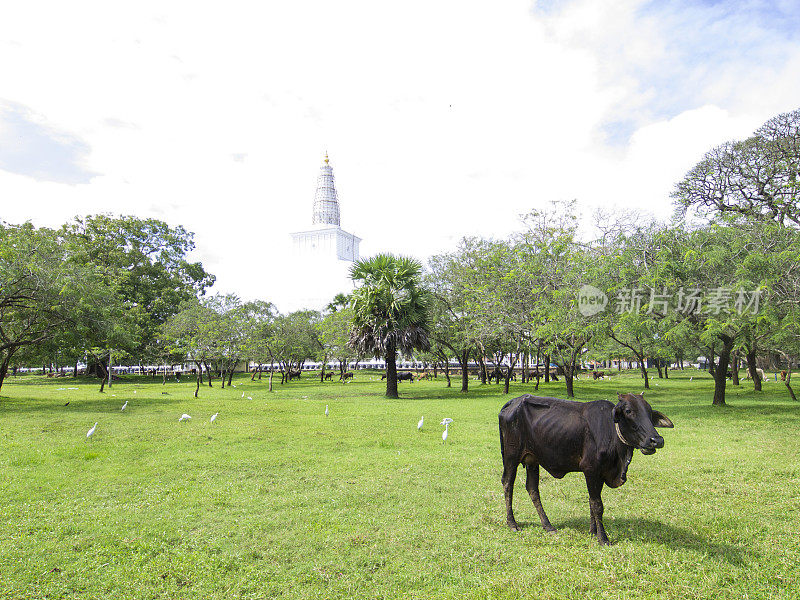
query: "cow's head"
636, 421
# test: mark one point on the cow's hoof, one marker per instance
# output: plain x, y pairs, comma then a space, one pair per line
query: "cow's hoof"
551, 529
512, 525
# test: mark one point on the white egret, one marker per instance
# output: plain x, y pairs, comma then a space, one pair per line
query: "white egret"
184, 416
692, 377
214, 416
242, 394
446, 422
249, 397
419, 425
326, 410
134, 391
91, 431
124, 406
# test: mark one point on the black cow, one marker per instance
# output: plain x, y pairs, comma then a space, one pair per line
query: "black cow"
345, 376
597, 438
496, 374
402, 376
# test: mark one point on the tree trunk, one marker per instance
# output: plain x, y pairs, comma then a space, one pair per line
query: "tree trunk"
712, 362
75, 369
569, 381
199, 378
208, 374
666, 371
4, 369
659, 368
546, 371
391, 372
233, 368
271, 371
788, 382
643, 367
750, 357
463, 359
524, 378
721, 370
735, 368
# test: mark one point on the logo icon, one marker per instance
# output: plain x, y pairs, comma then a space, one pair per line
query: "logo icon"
591, 300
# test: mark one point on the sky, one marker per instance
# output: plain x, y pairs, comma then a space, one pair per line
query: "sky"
442, 119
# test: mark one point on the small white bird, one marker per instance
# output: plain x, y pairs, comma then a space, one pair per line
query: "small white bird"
692, 377
326, 410
419, 425
446, 422
124, 406
184, 416
242, 394
249, 397
134, 391
91, 431
214, 416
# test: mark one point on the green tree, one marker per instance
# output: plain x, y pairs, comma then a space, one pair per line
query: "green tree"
49, 293
147, 262
334, 336
390, 311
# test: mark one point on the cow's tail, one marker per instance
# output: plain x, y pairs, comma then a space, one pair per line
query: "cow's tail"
502, 444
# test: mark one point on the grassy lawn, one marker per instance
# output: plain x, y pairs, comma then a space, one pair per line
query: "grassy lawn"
276, 500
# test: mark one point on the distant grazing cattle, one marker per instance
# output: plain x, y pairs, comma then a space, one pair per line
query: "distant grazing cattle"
405, 376
328, 375
496, 374
596, 438
424, 375
345, 376
598, 374
293, 375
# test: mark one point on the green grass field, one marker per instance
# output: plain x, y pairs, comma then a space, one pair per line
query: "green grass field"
276, 500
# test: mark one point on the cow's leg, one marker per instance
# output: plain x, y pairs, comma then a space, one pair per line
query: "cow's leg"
509, 476
532, 485
595, 487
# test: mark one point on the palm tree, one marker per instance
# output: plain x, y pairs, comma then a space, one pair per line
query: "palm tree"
390, 311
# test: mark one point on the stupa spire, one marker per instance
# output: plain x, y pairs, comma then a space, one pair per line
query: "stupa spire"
326, 202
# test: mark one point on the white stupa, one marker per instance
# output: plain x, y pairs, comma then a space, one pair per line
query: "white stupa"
323, 254
326, 239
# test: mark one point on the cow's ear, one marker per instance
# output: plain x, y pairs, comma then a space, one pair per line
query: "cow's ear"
661, 420
618, 412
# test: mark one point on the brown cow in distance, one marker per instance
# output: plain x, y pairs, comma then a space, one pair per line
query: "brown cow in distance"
596, 438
